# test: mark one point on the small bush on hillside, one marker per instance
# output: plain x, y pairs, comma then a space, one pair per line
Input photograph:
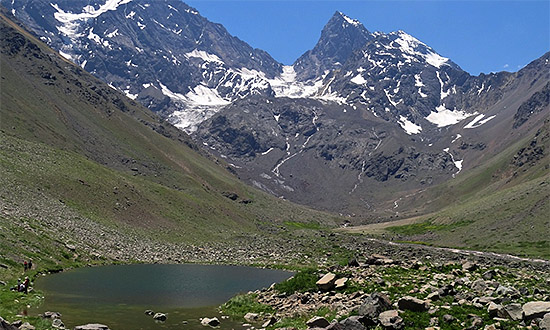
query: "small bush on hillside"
302, 281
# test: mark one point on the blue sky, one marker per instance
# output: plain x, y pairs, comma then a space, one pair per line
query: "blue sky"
480, 36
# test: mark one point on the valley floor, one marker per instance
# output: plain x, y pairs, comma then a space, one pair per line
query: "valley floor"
370, 265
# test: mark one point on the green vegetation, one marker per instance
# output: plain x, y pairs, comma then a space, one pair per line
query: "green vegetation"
239, 305
424, 227
500, 206
302, 281
302, 225
299, 322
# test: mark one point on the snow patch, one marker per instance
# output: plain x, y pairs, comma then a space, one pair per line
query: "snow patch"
458, 136
203, 55
70, 20
478, 121
351, 21
441, 93
112, 34
205, 96
285, 85
266, 152
65, 55
359, 80
417, 81
409, 126
458, 163
444, 117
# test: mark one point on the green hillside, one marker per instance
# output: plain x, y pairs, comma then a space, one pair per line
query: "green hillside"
74, 150
502, 206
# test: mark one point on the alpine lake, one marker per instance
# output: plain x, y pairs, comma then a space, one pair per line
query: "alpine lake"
119, 295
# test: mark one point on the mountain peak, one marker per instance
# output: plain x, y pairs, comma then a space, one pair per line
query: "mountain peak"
338, 15
340, 37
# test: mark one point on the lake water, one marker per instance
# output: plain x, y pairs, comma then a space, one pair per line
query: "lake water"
118, 295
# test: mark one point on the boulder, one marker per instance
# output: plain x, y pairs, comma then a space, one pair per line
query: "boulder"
475, 321
340, 283
494, 309
353, 262
535, 309
447, 318
317, 322
17, 323
446, 290
213, 322
412, 304
490, 274
326, 282
512, 312
58, 324
507, 291
469, 266
149, 312
377, 259
251, 317
51, 315
26, 326
391, 320
433, 296
351, 323
91, 326
544, 324
272, 320
375, 304
5, 325
479, 285
159, 317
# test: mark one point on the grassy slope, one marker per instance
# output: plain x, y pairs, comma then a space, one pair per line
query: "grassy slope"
497, 207
74, 152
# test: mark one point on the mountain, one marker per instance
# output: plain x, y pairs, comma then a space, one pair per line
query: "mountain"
390, 120
363, 124
340, 37
85, 168
163, 54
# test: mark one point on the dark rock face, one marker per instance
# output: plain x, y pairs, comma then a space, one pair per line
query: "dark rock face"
538, 102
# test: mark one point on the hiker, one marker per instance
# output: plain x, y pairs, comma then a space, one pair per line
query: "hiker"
18, 286
29, 266
26, 284
25, 265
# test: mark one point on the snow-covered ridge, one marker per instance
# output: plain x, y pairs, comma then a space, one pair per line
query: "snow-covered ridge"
87, 12
203, 55
412, 46
351, 21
